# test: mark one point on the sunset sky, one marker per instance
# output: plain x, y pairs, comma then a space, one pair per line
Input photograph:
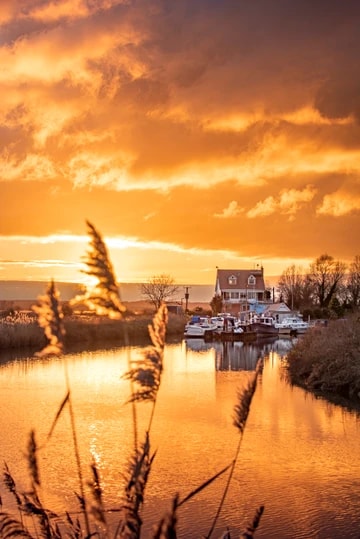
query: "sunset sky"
191, 133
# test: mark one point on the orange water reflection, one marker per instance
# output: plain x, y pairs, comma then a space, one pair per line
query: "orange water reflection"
299, 455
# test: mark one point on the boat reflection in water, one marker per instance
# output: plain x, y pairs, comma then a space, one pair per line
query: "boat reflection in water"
199, 345
233, 355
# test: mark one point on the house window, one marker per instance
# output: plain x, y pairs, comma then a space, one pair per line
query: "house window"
234, 295
232, 279
251, 280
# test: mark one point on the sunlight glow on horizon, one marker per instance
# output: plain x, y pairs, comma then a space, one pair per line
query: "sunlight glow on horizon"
127, 256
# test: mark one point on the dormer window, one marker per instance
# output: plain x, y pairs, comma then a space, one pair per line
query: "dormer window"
232, 280
251, 280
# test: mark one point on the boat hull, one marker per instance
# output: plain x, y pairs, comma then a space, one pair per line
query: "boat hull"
198, 335
263, 329
292, 326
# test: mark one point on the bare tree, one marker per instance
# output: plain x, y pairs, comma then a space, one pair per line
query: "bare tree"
353, 282
159, 289
326, 275
307, 292
292, 285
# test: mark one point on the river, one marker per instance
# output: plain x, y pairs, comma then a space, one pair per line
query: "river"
299, 454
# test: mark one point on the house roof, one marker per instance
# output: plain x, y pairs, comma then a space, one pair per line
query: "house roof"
242, 276
278, 308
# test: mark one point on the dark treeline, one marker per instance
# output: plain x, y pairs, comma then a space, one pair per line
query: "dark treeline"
329, 288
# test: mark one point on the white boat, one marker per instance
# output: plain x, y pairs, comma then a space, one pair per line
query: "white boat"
227, 322
200, 327
218, 321
292, 325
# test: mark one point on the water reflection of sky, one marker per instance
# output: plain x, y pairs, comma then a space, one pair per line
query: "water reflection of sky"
299, 455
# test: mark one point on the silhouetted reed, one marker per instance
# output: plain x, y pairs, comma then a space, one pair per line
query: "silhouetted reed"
144, 376
241, 412
50, 318
102, 298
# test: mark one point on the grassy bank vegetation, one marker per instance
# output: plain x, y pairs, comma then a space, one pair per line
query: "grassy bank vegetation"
327, 359
21, 330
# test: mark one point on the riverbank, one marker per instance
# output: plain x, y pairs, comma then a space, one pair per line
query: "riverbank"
326, 360
23, 331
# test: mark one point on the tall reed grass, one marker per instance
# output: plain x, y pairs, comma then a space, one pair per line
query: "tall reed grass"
144, 375
20, 328
22, 331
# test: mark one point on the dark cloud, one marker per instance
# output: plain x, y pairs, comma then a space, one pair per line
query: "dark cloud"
10, 135
339, 97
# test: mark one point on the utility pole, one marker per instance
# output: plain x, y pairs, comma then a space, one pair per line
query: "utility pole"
186, 298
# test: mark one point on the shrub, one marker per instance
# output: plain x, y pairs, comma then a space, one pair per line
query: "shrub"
326, 358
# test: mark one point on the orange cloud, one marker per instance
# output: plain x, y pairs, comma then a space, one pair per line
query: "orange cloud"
232, 210
288, 202
339, 204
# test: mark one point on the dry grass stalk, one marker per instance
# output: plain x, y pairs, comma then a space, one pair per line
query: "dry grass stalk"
97, 507
166, 529
31, 456
245, 395
50, 318
104, 297
146, 375
250, 530
157, 330
146, 372
58, 414
137, 476
241, 412
32, 506
10, 527
10, 484
29, 505
203, 485
74, 531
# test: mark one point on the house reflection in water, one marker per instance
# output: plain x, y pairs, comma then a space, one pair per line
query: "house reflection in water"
232, 355
239, 356
235, 356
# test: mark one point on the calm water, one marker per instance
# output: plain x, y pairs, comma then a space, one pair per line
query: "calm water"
299, 455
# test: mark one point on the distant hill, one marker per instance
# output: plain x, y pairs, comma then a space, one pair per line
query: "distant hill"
30, 290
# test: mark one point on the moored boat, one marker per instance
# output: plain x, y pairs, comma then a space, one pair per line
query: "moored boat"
199, 327
263, 325
292, 325
232, 329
